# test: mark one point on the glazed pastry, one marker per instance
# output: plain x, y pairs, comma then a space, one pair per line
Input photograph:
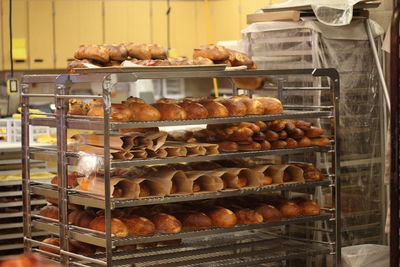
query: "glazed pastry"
283, 135
240, 59
202, 61
133, 99
138, 225
269, 213
248, 216
265, 145
276, 126
302, 125
194, 110
271, 136
119, 112
118, 228
170, 111
75, 107
296, 133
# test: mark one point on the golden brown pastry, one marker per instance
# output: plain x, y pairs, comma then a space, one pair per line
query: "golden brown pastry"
309, 207
259, 136
271, 105
296, 133
81, 218
291, 143
166, 224
213, 52
139, 51
314, 132
82, 64
262, 125
193, 220
168, 101
320, 141
119, 112
138, 225
238, 134
157, 51
290, 209
290, 126
267, 180
248, 216
249, 83
116, 52
144, 112
235, 108
302, 125
252, 146
278, 144
304, 142
239, 59
269, 213
276, 126
250, 125
310, 172
228, 146
222, 217
265, 145
170, 111
95, 52
133, 99
75, 107
215, 109
194, 110
118, 228
49, 212
283, 135
271, 136
51, 241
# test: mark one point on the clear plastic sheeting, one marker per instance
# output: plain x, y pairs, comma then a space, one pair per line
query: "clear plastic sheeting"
329, 12
289, 45
366, 255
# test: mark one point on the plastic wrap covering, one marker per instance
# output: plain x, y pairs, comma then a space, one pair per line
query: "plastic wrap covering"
287, 45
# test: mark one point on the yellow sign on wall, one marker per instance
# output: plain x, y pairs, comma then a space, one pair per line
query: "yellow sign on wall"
19, 49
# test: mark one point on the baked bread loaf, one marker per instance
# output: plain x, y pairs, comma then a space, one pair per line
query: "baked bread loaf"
278, 144
271, 105
290, 209
228, 146
253, 106
119, 112
138, 51
194, 220
265, 145
144, 112
302, 125
320, 141
118, 228
291, 143
215, 109
75, 106
116, 52
248, 216
95, 52
269, 213
194, 110
51, 241
138, 225
166, 224
239, 59
283, 135
235, 108
202, 61
310, 172
304, 142
276, 126
271, 136
81, 218
221, 217
71, 180
213, 52
157, 51
170, 111
252, 146
296, 133
309, 207
49, 211
133, 99
82, 248
314, 132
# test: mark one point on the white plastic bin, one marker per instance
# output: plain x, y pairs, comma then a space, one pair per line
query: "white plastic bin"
366, 255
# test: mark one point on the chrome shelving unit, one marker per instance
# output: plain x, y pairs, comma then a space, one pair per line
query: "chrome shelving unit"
242, 245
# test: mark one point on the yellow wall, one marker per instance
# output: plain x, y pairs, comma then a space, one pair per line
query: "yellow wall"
53, 29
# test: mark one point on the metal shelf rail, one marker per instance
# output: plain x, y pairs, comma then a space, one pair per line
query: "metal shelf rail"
66, 195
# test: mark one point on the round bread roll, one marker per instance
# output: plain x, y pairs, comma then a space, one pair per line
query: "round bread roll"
262, 125
291, 143
290, 210
271, 105
283, 135
144, 112
194, 110
271, 136
170, 111
278, 144
320, 141
139, 51
248, 216
304, 142
302, 125
157, 51
213, 52
235, 108
296, 133
215, 109
314, 132
259, 136
81, 218
269, 213
116, 52
118, 228
133, 99
228, 146
166, 224
290, 126
253, 106
75, 107
51, 241
310, 172
139, 225
82, 248
222, 217
250, 125
119, 112
49, 211
252, 146
310, 207
267, 180
276, 126
194, 220
265, 145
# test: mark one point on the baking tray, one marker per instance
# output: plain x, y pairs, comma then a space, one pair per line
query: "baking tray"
215, 67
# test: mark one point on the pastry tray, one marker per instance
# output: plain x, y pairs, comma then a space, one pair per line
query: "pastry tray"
215, 67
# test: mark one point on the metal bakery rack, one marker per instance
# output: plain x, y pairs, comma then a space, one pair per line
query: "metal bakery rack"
242, 245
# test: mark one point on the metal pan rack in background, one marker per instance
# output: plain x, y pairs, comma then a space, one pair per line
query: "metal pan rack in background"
243, 245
